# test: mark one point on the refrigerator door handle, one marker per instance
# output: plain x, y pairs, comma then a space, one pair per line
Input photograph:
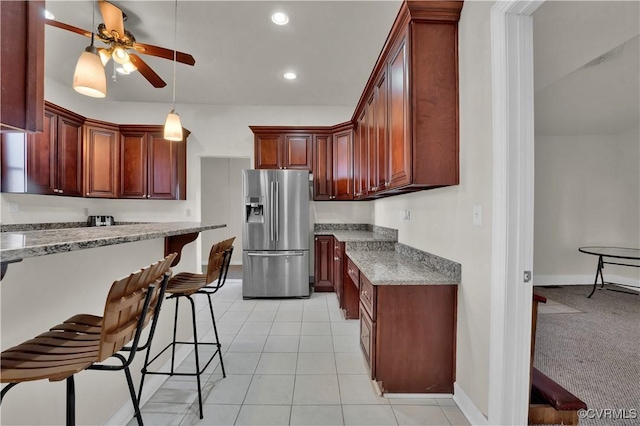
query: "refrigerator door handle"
300, 253
277, 215
271, 210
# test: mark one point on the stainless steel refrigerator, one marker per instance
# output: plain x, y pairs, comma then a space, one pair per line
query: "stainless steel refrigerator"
275, 235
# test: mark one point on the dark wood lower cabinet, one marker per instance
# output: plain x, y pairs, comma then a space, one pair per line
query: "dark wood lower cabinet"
407, 335
324, 261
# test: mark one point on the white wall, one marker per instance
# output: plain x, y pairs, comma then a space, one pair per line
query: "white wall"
221, 185
441, 219
587, 193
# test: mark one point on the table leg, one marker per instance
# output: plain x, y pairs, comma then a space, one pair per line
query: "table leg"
598, 272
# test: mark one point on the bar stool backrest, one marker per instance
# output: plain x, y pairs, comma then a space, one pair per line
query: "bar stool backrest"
219, 260
125, 304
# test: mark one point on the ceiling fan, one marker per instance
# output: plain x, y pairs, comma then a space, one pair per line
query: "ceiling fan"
123, 45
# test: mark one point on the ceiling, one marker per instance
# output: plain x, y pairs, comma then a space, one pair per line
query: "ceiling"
586, 67
240, 54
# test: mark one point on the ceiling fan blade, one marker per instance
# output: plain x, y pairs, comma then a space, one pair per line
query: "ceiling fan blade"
112, 16
68, 27
161, 52
146, 71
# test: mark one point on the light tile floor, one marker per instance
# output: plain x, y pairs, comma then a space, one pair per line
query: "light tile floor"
288, 362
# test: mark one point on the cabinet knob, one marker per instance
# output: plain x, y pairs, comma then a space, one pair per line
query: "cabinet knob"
87, 193
60, 191
55, 190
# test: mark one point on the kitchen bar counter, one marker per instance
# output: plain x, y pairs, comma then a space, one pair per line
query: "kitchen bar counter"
394, 268
21, 245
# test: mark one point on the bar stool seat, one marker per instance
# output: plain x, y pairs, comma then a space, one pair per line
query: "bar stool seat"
83, 341
186, 284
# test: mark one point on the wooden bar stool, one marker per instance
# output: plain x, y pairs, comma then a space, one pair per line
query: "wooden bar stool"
186, 284
83, 341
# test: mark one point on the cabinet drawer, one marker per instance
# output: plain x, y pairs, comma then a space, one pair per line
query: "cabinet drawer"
367, 339
368, 296
353, 272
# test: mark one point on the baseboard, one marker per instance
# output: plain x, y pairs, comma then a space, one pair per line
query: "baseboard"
546, 280
151, 384
468, 408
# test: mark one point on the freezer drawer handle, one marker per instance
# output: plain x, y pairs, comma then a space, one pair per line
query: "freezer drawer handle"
274, 254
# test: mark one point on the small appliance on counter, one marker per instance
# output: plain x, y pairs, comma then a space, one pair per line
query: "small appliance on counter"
100, 221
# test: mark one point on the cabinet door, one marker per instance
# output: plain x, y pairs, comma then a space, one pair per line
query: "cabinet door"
163, 167
297, 153
368, 340
372, 147
338, 281
360, 172
343, 165
133, 165
381, 131
322, 168
267, 151
399, 138
101, 162
41, 157
69, 157
22, 71
324, 260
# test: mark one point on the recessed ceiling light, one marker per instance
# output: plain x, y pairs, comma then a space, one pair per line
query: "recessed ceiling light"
290, 75
280, 18
48, 14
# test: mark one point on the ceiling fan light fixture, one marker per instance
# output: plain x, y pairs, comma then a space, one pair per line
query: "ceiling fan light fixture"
120, 55
105, 55
89, 77
129, 67
173, 127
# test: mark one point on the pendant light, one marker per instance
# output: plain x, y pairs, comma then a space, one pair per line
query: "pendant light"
172, 125
89, 77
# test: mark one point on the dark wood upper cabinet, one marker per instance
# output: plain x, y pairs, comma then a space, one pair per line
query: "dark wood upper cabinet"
282, 148
150, 166
165, 170
41, 157
415, 85
22, 72
101, 160
399, 142
297, 152
322, 167
49, 162
343, 164
69, 155
267, 151
133, 164
405, 125
382, 133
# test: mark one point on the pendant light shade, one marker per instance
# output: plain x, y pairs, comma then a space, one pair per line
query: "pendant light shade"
173, 127
89, 77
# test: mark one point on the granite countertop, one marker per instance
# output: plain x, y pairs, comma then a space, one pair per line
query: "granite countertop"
394, 268
20, 245
351, 236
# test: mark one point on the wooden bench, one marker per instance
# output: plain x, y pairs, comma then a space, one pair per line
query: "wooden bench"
550, 403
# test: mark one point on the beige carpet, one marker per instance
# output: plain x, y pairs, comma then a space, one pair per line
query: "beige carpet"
595, 353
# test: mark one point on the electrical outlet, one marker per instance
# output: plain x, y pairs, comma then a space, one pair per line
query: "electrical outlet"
188, 212
13, 207
406, 215
477, 215
86, 211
